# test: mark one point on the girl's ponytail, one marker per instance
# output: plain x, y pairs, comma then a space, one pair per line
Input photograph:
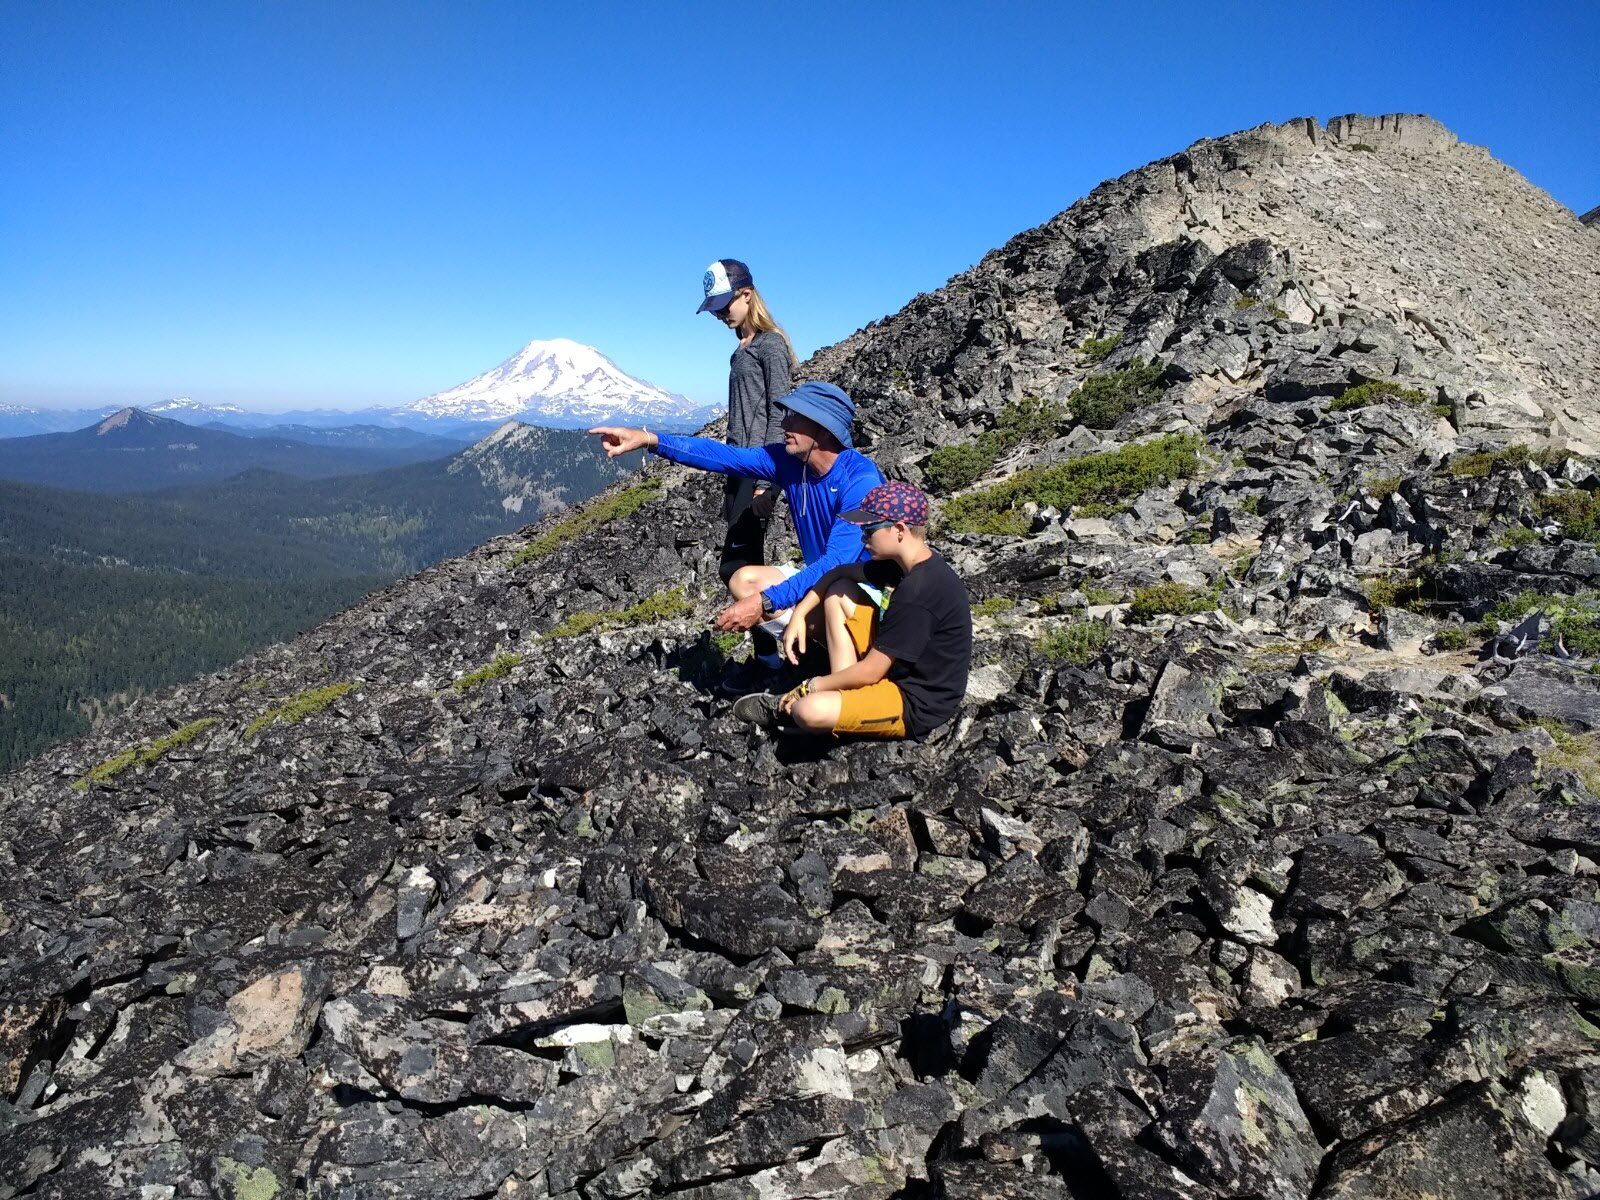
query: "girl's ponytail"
761, 321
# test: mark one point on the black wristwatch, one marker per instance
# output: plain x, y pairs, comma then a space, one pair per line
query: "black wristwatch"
767, 607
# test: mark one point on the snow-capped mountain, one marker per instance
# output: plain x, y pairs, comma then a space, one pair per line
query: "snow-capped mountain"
192, 412
561, 383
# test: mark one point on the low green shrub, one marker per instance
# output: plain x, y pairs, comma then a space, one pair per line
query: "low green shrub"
498, 669
1517, 536
1075, 642
1111, 478
951, 468
1377, 392
1178, 599
1382, 489
1247, 302
1102, 400
660, 607
1575, 512
1363, 147
1030, 419
1099, 349
144, 755
993, 606
298, 708
1480, 463
613, 508
1393, 591
1451, 637
1574, 620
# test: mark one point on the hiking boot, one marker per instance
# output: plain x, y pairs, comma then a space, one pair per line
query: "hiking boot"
758, 708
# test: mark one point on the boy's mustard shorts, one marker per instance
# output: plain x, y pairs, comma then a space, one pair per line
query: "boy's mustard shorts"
877, 710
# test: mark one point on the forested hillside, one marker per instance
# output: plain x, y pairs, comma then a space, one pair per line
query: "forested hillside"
104, 597
76, 640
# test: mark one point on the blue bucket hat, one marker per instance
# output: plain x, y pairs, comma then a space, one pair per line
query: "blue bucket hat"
825, 404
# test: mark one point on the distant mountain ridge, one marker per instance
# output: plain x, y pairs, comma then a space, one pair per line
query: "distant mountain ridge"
133, 451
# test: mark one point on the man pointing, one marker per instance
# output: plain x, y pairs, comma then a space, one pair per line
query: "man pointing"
821, 477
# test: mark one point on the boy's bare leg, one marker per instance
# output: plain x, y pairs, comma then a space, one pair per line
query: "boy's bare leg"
838, 606
818, 712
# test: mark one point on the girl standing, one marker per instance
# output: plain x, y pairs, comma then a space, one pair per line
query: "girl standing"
760, 372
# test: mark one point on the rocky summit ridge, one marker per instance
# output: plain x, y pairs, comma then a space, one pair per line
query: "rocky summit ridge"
1261, 861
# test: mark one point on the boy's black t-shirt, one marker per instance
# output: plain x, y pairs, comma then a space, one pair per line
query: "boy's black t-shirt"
927, 630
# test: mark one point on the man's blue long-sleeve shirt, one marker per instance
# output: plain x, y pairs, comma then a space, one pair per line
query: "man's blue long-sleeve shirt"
815, 501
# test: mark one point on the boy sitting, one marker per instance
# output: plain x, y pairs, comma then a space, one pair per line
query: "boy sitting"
907, 678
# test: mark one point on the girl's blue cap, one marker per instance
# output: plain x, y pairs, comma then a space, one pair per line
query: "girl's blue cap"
722, 279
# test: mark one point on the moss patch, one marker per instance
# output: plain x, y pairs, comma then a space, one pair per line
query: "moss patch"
660, 607
1108, 479
298, 708
144, 755
498, 669
613, 508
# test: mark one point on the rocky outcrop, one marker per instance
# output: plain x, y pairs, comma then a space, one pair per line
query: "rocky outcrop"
1375, 223
1261, 861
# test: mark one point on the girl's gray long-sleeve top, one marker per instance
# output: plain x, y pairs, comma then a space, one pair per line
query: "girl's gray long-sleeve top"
758, 376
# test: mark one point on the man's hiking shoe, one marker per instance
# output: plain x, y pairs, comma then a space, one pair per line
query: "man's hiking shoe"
758, 708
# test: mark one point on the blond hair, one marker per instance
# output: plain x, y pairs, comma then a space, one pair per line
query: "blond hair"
760, 320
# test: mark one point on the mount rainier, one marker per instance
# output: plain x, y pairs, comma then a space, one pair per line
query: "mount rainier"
562, 383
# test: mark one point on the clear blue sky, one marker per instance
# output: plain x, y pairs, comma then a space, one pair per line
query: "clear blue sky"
351, 203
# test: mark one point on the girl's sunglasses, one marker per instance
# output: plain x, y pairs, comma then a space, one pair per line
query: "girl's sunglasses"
875, 526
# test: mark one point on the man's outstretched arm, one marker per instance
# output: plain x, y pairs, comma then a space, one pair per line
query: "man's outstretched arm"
757, 462
617, 440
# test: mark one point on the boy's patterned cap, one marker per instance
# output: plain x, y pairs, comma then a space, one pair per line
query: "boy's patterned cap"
892, 501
